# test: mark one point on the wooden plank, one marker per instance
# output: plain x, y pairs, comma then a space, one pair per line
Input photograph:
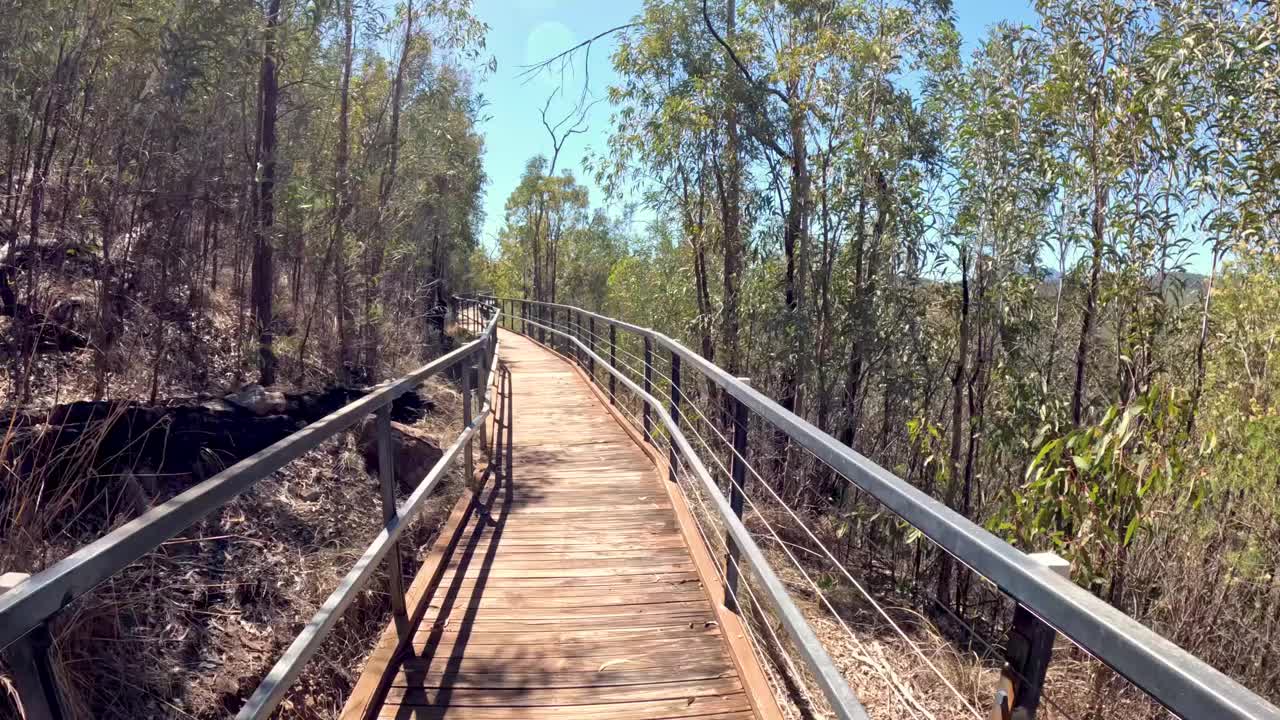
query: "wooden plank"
535, 601
610, 676
602, 554
613, 659
723, 707
603, 566
476, 570
559, 697
488, 625
537, 609
652, 581
692, 629
604, 648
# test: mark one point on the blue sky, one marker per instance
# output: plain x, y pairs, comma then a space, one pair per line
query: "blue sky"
526, 31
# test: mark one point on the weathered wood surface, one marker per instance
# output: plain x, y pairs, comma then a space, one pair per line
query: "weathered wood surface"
568, 590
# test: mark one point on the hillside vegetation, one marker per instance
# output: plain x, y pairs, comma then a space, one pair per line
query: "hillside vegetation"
195, 196
1038, 281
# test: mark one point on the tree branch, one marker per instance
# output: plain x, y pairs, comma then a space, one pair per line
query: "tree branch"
531, 71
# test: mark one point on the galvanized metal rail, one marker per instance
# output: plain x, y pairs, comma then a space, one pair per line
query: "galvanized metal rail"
26, 609
1173, 677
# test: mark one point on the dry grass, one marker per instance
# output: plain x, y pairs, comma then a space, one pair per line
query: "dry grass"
190, 629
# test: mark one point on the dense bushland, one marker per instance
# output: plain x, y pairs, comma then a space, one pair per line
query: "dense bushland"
1038, 282
194, 195
318, 159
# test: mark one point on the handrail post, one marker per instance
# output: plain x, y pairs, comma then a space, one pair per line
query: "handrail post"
582, 339
482, 389
737, 496
387, 478
577, 333
613, 363
28, 661
498, 409
1028, 650
591, 344
510, 424
648, 388
675, 410
571, 329
468, 459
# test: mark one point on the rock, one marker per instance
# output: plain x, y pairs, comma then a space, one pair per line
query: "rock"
258, 400
218, 407
413, 451
313, 405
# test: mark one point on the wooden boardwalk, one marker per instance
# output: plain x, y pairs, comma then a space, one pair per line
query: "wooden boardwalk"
575, 588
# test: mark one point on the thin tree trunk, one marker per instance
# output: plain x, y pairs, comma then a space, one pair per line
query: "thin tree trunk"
335, 253
731, 214
263, 276
1090, 306
379, 240
792, 237
1197, 382
853, 375
957, 418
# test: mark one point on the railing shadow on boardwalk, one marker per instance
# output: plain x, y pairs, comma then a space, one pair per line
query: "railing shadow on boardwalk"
485, 530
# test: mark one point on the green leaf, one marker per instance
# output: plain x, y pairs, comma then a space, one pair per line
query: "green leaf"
1082, 462
1133, 528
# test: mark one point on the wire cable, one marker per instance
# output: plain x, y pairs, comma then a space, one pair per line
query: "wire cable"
885, 674
862, 590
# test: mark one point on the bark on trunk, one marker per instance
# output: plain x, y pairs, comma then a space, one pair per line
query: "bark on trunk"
1090, 306
731, 213
263, 276
957, 420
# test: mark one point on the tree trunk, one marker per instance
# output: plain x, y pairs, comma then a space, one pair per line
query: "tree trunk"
957, 419
379, 240
1090, 304
335, 253
1197, 387
793, 236
731, 211
853, 375
263, 278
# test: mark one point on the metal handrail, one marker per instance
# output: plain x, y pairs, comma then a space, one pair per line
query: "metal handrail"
282, 675
1175, 678
33, 602
843, 701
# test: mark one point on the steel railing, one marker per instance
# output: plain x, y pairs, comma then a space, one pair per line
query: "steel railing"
1173, 677
26, 609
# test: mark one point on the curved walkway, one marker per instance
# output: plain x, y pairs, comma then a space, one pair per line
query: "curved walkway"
571, 588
